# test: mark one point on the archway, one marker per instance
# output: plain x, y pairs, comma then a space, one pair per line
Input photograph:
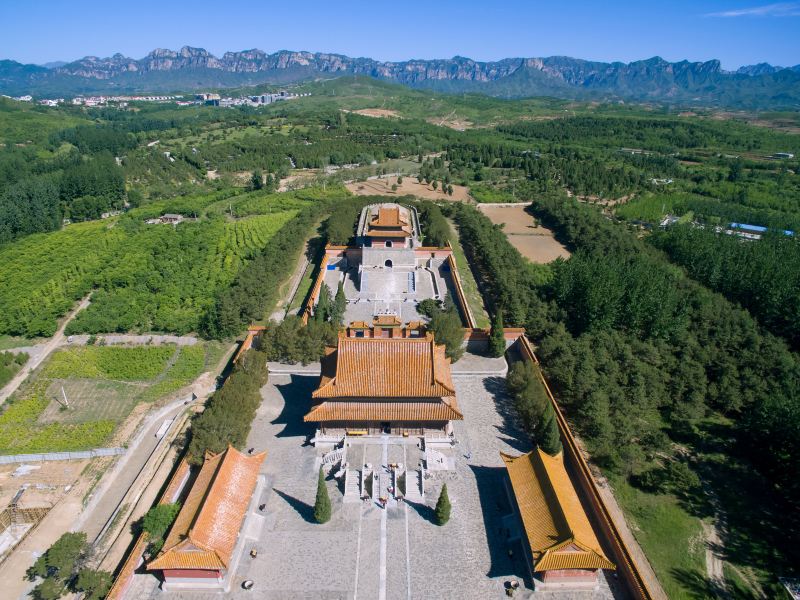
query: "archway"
388, 264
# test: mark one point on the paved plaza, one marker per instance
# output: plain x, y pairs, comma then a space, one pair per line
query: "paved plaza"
366, 552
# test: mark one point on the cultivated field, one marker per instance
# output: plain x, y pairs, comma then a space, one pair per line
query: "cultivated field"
103, 387
410, 186
535, 242
377, 112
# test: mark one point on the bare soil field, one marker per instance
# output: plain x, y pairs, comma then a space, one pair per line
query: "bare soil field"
45, 481
410, 185
535, 242
381, 113
452, 123
298, 179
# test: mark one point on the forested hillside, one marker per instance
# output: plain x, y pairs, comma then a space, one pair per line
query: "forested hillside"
646, 361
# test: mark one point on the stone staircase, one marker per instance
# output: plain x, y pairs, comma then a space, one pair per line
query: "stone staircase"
414, 486
352, 486
333, 457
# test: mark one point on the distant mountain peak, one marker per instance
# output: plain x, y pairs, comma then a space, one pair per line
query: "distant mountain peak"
651, 79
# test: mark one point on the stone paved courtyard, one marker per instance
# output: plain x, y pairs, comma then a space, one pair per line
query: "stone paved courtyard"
366, 552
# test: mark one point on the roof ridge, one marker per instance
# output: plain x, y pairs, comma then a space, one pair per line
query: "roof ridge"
224, 463
206, 493
558, 508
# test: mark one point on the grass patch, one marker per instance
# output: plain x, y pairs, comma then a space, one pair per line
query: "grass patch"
468, 283
671, 538
191, 362
20, 433
489, 195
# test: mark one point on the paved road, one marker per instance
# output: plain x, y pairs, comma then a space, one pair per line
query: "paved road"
105, 499
46, 349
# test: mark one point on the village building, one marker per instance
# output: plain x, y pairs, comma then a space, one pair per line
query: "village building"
562, 547
372, 386
203, 544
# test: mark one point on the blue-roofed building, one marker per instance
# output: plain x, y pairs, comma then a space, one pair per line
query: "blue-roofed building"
755, 229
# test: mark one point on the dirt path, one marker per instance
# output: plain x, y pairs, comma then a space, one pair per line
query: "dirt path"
46, 349
297, 276
714, 563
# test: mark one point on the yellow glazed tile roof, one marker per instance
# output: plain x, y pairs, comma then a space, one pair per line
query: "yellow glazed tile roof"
386, 368
207, 526
383, 411
558, 530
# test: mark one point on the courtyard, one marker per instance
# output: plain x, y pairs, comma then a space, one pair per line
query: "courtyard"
364, 551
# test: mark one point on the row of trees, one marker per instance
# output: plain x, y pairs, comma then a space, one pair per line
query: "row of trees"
230, 411
292, 342
533, 406
257, 285
446, 325
436, 230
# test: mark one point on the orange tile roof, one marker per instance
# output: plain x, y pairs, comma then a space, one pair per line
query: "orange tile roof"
389, 216
558, 530
389, 222
205, 531
386, 368
384, 233
383, 411
387, 321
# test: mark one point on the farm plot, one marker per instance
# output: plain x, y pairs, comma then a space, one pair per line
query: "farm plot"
146, 277
81, 395
534, 242
165, 279
42, 275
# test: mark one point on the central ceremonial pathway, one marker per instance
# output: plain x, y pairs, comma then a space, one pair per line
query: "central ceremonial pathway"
365, 551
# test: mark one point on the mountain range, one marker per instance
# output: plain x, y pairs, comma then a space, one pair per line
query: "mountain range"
655, 80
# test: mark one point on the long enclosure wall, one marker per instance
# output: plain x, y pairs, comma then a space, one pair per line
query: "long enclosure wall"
587, 488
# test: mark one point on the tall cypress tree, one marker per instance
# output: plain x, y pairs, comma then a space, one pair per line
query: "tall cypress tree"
443, 507
339, 306
323, 310
497, 341
322, 505
548, 438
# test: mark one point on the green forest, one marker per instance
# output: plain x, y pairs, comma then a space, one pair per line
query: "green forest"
673, 350
645, 360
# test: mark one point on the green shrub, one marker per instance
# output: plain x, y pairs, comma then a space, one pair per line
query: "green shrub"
322, 504
443, 508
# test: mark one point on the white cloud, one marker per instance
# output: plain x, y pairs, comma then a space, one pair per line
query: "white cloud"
779, 9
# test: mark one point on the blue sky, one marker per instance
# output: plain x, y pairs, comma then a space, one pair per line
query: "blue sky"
735, 31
